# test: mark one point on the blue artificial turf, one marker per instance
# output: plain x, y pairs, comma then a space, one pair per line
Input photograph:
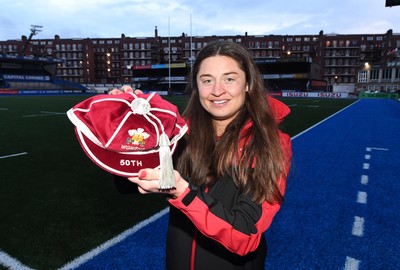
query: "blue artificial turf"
313, 229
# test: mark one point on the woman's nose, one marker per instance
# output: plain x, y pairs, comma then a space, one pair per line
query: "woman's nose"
218, 89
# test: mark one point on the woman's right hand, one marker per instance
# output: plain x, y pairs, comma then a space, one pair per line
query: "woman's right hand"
125, 89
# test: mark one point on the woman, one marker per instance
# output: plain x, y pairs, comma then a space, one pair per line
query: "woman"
231, 169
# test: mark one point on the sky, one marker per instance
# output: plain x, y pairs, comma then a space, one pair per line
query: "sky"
138, 18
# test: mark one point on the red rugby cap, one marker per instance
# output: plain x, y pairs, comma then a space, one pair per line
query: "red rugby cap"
127, 132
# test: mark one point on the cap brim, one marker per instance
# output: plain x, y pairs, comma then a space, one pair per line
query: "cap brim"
120, 163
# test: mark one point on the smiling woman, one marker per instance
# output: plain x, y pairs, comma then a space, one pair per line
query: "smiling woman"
231, 167
222, 89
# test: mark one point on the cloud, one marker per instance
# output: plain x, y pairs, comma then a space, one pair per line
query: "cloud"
111, 18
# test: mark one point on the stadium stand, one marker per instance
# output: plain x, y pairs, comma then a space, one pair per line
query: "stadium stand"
33, 75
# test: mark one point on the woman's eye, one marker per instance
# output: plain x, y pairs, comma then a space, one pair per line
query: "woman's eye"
207, 81
229, 79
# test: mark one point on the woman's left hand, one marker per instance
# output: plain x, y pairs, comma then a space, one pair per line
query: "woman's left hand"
148, 182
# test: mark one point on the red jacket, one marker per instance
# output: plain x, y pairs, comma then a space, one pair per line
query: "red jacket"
229, 226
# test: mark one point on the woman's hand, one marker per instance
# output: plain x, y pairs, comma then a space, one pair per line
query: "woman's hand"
125, 89
147, 182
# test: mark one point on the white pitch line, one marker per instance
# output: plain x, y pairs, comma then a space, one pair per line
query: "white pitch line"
96, 251
11, 263
367, 156
366, 166
362, 197
376, 148
326, 119
358, 226
351, 264
364, 179
44, 113
14, 155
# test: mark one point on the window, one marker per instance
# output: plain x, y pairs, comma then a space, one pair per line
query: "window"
397, 74
362, 76
387, 74
374, 74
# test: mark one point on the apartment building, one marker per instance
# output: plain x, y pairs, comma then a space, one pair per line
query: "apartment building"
349, 63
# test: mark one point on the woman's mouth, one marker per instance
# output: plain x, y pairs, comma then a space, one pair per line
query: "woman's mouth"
219, 101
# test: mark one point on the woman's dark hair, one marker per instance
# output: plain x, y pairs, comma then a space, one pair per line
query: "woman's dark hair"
258, 166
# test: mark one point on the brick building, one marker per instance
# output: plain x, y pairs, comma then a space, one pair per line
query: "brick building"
347, 63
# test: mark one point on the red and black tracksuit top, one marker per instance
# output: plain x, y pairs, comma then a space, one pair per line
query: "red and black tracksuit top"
220, 227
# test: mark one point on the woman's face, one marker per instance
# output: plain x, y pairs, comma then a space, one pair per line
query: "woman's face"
222, 89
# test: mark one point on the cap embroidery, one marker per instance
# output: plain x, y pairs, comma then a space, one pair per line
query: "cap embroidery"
137, 137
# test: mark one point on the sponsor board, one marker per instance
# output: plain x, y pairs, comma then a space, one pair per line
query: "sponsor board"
12, 77
315, 94
39, 92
